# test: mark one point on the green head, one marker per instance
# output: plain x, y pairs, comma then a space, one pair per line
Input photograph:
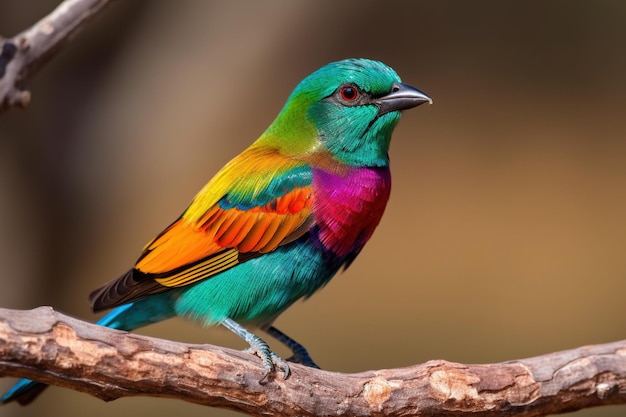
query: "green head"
348, 108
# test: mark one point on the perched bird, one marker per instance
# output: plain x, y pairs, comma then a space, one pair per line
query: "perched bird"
277, 222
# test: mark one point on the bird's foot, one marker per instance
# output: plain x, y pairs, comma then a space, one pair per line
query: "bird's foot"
271, 362
300, 354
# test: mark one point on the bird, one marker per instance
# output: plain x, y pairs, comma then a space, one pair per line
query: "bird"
276, 223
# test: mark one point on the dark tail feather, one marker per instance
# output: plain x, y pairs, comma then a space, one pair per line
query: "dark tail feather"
24, 392
130, 287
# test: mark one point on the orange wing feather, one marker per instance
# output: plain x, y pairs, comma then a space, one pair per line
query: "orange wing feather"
188, 251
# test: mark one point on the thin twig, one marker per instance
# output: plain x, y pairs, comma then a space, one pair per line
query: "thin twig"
23, 54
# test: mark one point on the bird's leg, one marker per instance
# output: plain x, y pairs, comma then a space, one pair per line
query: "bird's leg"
300, 354
259, 348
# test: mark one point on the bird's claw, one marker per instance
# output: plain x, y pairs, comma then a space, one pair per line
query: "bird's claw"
300, 354
271, 362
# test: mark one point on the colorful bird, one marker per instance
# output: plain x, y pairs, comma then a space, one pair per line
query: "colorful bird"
277, 222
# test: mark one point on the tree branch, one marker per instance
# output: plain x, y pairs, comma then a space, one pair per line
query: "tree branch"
21, 55
50, 347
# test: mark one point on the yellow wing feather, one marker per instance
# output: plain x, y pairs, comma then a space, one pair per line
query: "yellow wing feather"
208, 239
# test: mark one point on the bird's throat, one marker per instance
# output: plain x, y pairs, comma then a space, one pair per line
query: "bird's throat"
348, 207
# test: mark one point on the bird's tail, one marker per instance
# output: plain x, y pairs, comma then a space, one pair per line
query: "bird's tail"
126, 317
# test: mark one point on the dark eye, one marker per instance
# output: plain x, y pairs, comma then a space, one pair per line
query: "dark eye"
349, 93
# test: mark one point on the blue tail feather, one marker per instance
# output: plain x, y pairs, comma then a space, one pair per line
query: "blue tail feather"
24, 391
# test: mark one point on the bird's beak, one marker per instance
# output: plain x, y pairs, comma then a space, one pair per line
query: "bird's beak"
402, 97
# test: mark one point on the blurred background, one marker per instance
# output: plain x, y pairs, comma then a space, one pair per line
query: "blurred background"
505, 234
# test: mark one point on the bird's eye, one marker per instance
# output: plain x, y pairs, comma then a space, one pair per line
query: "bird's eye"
349, 93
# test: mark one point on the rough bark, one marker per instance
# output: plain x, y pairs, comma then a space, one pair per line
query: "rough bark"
50, 347
22, 54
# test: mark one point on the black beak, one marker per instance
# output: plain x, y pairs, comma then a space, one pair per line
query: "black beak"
402, 97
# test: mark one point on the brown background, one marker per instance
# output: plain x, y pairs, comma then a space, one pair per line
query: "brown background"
506, 230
